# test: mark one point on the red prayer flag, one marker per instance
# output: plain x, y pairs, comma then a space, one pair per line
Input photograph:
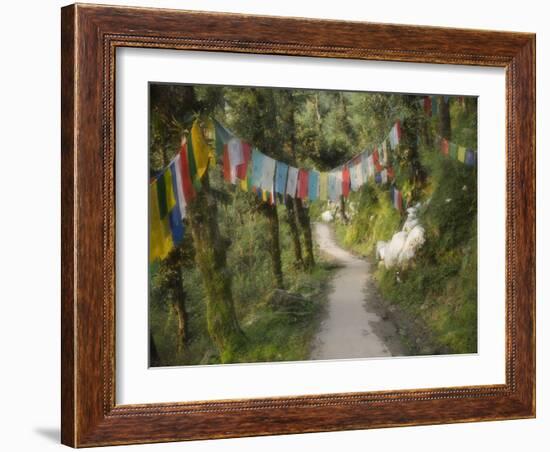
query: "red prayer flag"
345, 181
444, 146
188, 189
303, 182
376, 160
241, 169
390, 172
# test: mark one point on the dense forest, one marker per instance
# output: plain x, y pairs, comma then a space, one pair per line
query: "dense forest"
248, 283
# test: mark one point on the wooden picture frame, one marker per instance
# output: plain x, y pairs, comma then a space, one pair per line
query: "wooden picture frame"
90, 36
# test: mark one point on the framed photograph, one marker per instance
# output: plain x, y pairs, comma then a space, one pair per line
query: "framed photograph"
281, 225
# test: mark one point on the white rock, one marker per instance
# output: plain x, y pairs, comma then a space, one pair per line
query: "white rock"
393, 249
415, 239
380, 249
327, 216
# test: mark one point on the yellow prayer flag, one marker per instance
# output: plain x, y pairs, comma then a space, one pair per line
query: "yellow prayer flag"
169, 187
461, 154
160, 238
201, 150
323, 186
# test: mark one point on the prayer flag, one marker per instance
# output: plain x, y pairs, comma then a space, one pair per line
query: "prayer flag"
165, 193
175, 167
370, 167
222, 137
470, 159
378, 178
461, 154
313, 185
160, 238
376, 160
201, 151
345, 181
235, 153
226, 164
356, 179
384, 176
453, 150
186, 177
267, 173
444, 146
364, 167
302, 184
323, 186
292, 181
335, 185
281, 174
242, 168
176, 226
257, 163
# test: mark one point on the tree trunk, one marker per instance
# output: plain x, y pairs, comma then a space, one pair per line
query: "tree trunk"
270, 213
444, 118
211, 260
294, 232
343, 213
179, 308
302, 215
411, 128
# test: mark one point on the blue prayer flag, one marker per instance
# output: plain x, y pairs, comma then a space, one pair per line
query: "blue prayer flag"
281, 173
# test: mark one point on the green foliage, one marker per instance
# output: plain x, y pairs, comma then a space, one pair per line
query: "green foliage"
375, 219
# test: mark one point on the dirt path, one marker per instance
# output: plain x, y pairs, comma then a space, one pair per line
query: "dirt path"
353, 327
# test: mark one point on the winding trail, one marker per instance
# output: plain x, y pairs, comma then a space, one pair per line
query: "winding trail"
353, 327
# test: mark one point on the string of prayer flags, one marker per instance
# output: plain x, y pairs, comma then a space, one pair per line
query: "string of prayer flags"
292, 181
313, 185
457, 152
